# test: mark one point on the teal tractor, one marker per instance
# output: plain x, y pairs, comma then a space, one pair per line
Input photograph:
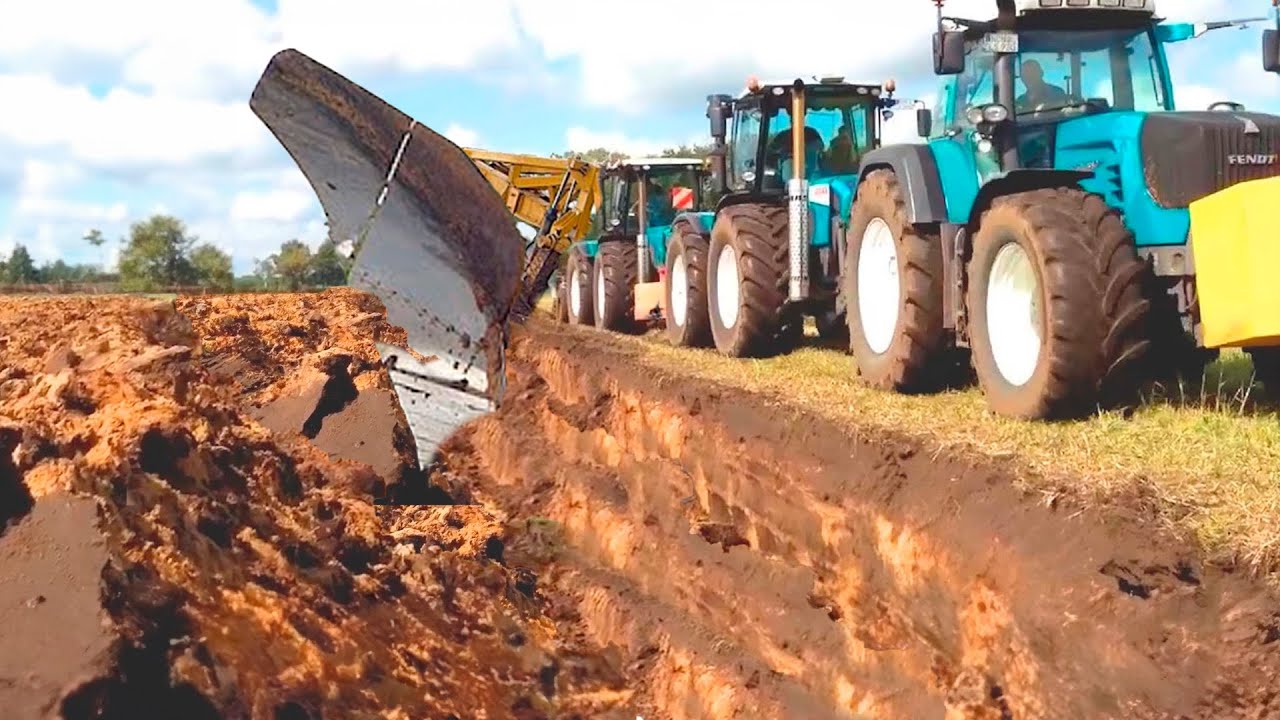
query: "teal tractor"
774, 258
645, 265
1063, 227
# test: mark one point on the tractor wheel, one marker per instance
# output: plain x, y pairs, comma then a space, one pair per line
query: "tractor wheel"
577, 287
747, 273
561, 305
1174, 359
614, 287
1266, 369
1056, 304
893, 291
832, 326
687, 321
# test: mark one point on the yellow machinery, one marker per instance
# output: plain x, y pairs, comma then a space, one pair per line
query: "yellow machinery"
554, 195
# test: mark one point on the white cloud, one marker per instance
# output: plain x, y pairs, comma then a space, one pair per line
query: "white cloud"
581, 139
461, 136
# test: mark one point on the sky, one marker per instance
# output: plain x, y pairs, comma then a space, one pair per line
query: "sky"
116, 110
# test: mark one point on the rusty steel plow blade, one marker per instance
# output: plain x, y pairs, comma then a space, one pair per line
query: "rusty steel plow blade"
431, 238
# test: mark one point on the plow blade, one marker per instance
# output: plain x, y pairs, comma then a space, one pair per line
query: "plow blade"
431, 239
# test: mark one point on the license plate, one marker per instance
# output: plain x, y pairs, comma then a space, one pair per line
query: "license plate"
999, 42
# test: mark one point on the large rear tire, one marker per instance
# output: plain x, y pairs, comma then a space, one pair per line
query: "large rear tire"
893, 292
687, 319
747, 274
614, 287
577, 287
1056, 305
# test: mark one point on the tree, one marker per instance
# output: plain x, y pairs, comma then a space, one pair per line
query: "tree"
212, 267
328, 267
292, 264
20, 269
157, 254
95, 238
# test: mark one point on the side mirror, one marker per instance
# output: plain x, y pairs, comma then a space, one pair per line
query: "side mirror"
948, 52
924, 122
1271, 50
717, 113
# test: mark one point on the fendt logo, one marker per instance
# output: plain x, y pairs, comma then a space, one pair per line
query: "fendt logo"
1253, 159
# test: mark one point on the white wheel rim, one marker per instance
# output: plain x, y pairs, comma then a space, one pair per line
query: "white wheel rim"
727, 290
600, 293
879, 294
679, 291
575, 293
1013, 314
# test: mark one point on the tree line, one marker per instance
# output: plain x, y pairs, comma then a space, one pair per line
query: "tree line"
160, 252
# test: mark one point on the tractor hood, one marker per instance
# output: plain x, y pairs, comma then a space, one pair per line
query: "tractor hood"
1190, 155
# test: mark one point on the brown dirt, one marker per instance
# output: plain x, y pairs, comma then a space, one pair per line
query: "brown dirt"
750, 561
198, 519
235, 570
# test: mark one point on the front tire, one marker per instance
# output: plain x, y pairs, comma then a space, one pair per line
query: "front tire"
747, 274
893, 291
577, 287
614, 287
1266, 369
687, 318
1056, 303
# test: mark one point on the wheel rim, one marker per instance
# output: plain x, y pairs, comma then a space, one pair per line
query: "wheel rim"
727, 290
600, 294
1013, 314
879, 294
679, 291
575, 293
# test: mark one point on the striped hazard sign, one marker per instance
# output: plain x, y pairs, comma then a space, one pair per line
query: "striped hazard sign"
682, 198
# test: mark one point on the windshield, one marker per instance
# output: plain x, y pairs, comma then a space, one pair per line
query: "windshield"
838, 131
1057, 71
671, 190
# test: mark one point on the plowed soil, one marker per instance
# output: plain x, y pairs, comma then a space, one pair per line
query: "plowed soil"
207, 512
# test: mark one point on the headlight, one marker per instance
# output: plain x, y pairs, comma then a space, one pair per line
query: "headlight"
995, 113
974, 114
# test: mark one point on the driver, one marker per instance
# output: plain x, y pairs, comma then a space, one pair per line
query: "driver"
1039, 93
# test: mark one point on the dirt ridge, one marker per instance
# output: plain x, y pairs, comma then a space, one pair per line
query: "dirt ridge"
870, 576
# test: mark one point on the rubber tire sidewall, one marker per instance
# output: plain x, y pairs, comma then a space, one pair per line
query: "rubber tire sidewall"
616, 261
578, 258
696, 331
1003, 397
774, 332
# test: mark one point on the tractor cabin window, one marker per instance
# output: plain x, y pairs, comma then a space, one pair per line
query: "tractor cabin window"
746, 138
837, 132
1062, 74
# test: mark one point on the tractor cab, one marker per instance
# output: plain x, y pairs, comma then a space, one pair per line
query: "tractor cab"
643, 196
840, 122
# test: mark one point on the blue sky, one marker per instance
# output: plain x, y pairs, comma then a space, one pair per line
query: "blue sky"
138, 106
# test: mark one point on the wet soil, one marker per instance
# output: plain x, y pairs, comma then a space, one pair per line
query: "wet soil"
205, 513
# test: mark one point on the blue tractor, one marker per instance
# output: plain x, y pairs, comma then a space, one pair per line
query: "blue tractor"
646, 263
1045, 230
775, 258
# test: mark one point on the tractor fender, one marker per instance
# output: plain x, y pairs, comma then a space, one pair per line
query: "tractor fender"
917, 175
700, 221
1022, 181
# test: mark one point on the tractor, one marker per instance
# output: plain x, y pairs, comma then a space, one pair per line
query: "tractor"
774, 257
646, 264
1063, 226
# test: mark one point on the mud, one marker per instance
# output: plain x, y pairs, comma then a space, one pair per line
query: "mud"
749, 561
203, 515
173, 555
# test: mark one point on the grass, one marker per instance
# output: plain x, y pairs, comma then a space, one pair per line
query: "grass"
1208, 455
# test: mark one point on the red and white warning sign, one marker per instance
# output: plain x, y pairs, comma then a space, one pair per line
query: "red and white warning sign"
682, 198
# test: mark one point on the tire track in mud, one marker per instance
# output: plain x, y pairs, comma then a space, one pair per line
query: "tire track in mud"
751, 561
